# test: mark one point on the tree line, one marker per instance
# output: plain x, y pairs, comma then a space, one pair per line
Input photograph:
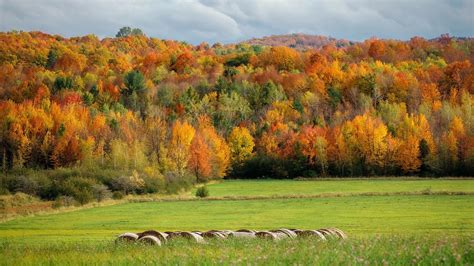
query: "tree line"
169, 110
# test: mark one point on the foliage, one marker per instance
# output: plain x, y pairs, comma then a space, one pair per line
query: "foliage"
202, 192
377, 107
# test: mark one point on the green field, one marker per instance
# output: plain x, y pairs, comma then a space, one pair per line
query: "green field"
236, 188
425, 221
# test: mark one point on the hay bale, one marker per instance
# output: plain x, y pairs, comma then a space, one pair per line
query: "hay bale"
223, 232
191, 236
197, 232
271, 235
150, 240
339, 232
310, 233
160, 235
328, 233
242, 234
246, 231
214, 234
127, 237
296, 231
287, 232
172, 235
226, 233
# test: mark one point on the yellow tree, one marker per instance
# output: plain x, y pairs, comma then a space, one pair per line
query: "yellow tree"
371, 134
182, 135
219, 150
339, 152
407, 154
241, 144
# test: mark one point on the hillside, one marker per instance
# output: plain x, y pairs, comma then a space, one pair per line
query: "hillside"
298, 41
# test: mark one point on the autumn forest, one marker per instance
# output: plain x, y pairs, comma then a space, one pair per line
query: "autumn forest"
165, 111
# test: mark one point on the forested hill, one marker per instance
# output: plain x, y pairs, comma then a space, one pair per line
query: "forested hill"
169, 109
298, 41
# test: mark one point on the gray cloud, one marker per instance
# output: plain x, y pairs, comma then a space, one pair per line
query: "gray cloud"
229, 21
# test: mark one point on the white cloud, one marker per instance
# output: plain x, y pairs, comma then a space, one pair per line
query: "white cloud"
229, 21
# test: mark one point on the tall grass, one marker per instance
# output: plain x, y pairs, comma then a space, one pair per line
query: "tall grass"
378, 250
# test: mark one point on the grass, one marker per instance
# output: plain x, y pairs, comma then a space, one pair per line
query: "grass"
398, 250
394, 229
356, 215
249, 188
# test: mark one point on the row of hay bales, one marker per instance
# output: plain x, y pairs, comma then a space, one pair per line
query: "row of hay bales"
152, 237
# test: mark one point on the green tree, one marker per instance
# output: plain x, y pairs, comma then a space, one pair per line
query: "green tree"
52, 58
272, 93
134, 93
137, 32
124, 32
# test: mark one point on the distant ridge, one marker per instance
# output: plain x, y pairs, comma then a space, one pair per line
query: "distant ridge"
299, 41
302, 41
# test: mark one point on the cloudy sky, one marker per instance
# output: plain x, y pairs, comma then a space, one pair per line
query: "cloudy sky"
230, 21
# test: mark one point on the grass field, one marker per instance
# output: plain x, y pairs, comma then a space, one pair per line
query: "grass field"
236, 188
421, 228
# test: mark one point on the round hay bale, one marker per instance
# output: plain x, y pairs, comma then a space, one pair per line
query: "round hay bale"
150, 240
339, 232
287, 232
172, 235
328, 233
226, 233
310, 233
197, 232
192, 236
214, 234
242, 234
296, 231
246, 231
127, 237
160, 235
270, 235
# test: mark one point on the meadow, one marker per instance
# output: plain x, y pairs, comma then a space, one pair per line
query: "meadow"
396, 225
332, 187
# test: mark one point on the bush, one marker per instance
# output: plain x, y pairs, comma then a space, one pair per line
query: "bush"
117, 195
101, 192
64, 201
129, 184
22, 184
202, 192
153, 184
83, 196
81, 189
176, 182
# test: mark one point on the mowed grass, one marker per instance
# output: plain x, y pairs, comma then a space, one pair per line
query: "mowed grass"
394, 229
359, 215
254, 188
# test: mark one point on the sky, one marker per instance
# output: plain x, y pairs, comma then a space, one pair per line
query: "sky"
227, 21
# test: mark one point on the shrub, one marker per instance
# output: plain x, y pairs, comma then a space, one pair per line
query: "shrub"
176, 182
64, 201
101, 192
83, 196
81, 189
202, 192
117, 195
153, 184
129, 184
22, 184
